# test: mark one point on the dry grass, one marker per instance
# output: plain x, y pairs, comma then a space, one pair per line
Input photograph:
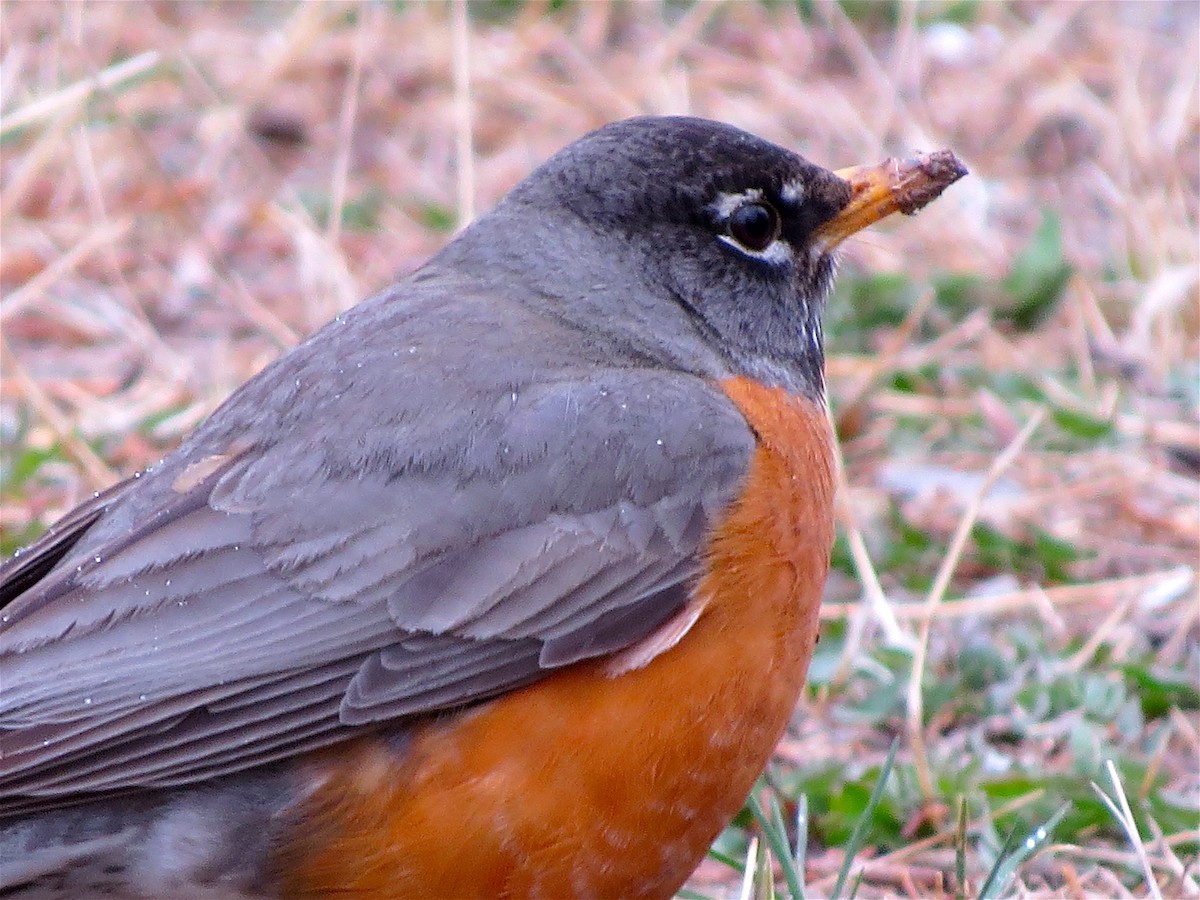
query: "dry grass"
187, 189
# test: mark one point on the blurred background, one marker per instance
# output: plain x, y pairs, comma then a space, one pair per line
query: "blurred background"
188, 189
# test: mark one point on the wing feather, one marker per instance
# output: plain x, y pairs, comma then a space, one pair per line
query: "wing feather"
217, 615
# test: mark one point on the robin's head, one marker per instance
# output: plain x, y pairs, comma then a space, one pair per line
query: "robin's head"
692, 241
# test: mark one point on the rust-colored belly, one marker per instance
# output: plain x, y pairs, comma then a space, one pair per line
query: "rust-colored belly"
588, 784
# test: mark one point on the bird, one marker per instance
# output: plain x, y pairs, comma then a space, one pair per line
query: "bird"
502, 584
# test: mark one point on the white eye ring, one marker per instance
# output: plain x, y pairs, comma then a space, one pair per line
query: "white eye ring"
726, 206
778, 251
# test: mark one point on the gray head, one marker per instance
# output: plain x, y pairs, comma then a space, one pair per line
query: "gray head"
687, 239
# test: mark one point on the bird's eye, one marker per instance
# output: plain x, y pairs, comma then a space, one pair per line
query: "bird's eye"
754, 225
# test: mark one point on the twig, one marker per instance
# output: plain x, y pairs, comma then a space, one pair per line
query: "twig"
345, 131
1080, 658
885, 360
77, 93
1067, 595
872, 589
1124, 816
31, 290
97, 472
30, 164
747, 891
938, 591
464, 147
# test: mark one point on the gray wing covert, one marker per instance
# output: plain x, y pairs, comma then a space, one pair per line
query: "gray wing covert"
272, 603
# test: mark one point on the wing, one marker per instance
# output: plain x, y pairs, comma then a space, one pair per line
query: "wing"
29, 565
247, 601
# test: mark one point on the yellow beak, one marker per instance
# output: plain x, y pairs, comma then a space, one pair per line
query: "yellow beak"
894, 185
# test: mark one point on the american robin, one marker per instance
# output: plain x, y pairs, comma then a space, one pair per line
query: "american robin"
503, 584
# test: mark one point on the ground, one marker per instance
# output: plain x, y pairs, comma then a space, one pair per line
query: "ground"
188, 189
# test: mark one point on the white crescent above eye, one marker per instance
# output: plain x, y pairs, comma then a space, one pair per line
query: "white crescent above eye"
793, 192
727, 203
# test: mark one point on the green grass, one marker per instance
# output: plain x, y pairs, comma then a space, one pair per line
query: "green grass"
1043, 293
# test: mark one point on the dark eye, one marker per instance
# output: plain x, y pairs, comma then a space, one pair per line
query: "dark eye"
754, 226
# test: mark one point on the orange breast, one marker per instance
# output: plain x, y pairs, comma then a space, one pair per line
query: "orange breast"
586, 783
